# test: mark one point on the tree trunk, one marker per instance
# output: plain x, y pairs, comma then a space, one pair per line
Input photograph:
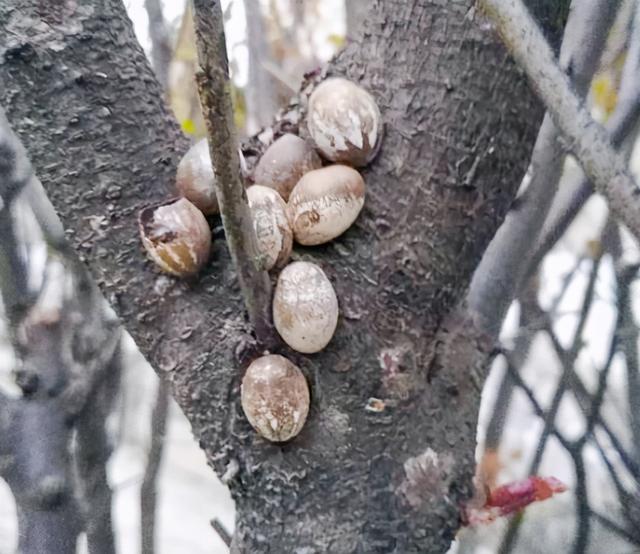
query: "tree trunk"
459, 126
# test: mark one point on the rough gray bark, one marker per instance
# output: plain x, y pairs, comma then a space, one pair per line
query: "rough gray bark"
34, 440
37, 471
91, 454
460, 123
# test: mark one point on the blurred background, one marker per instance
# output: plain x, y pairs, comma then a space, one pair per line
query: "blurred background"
563, 400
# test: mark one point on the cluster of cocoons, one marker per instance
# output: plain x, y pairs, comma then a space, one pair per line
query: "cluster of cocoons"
294, 198
175, 233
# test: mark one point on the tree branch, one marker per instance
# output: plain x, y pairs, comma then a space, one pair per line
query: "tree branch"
215, 97
622, 126
583, 514
15, 169
148, 488
59, 377
220, 529
194, 333
92, 452
161, 53
567, 360
15, 172
615, 528
629, 346
500, 272
587, 140
528, 326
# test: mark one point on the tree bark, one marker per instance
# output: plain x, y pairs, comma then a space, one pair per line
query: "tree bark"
91, 455
35, 435
460, 122
148, 489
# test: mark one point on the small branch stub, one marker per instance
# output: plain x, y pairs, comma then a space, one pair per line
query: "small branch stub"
215, 97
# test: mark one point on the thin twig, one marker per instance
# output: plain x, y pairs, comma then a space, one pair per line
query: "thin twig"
567, 359
537, 408
621, 127
615, 528
13, 274
92, 452
629, 335
15, 173
566, 282
527, 329
574, 449
596, 402
222, 532
15, 169
500, 272
161, 53
583, 514
148, 489
587, 140
623, 494
584, 401
215, 97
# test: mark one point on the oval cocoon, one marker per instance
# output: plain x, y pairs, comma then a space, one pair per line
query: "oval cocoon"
271, 223
284, 162
325, 203
195, 179
176, 236
275, 398
305, 307
344, 121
